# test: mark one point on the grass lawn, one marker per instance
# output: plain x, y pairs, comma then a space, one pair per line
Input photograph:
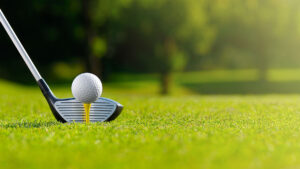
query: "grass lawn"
184, 130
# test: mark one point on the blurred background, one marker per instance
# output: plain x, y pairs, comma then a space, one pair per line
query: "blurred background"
158, 46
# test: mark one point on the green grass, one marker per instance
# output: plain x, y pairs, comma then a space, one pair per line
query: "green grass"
177, 131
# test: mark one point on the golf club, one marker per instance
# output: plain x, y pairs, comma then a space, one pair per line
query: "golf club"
64, 110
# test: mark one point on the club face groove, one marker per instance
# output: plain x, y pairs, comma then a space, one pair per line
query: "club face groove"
73, 111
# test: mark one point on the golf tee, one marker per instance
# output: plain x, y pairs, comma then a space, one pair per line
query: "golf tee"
87, 108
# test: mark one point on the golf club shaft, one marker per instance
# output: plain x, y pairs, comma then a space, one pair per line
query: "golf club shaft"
19, 46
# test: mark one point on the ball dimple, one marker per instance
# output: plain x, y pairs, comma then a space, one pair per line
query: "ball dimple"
86, 88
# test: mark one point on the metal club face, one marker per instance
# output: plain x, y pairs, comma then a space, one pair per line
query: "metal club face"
101, 110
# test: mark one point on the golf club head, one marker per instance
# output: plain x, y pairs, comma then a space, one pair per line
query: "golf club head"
70, 110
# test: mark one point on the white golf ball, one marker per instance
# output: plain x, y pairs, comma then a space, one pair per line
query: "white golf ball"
86, 88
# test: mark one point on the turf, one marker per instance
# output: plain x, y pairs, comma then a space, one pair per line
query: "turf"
177, 131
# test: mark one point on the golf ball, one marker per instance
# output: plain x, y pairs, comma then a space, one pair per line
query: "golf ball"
86, 88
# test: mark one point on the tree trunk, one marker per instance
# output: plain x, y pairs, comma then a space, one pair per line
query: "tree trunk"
263, 62
165, 83
167, 65
92, 62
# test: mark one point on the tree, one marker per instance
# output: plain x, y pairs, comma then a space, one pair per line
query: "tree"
165, 33
98, 16
254, 26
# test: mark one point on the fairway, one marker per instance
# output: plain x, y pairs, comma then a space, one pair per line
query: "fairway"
177, 131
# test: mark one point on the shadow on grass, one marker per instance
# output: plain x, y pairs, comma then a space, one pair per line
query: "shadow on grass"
251, 87
34, 124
